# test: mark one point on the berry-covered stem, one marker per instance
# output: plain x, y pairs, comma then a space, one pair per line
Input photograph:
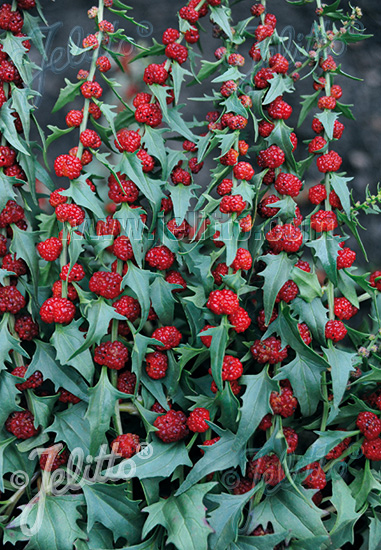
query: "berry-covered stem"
63, 256
92, 70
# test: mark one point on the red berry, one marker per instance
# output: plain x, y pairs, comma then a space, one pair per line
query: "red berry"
21, 424
149, 113
106, 284
317, 194
76, 273
330, 162
336, 91
257, 10
57, 310
129, 307
125, 191
11, 299
90, 41
67, 397
374, 281
304, 266
288, 184
337, 451
305, 334
335, 331
103, 63
338, 129
26, 328
225, 187
261, 319
243, 171
126, 382
243, 260
288, 292
263, 31
279, 109
273, 157
171, 426
126, 445
269, 468
169, 336
278, 63
113, 355
223, 302
32, 382
317, 144
283, 403
160, 257
236, 60
122, 248
50, 460
285, 237
326, 102
177, 52
268, 351
147, 161
266, 211
232, 368
261, 79
196, 420
291, 438
179, 175
155, 74
316, 478
7, 156
328, 64
344, 309
90, 138
369, 424
242, 486
108, 227
324, 220
16, 265
372, 449
345, 258
91, 89
56, 198
157, 365
74, 118
240, 320
175, 278
206, 340
189, 13
169, 36
57, 291
232, 203
179, 231
127, 140
228, 88
68, 166
70, 213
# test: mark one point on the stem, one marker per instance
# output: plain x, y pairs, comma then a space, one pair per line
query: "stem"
128, 408
324, 391
190, 444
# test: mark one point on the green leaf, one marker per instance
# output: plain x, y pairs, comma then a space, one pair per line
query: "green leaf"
308, 102
71, 426
328, 119
292, 511
363, 483
339, 185
321, 447
341, 367
178, 75
255, 403
158, 458
138, 280
99, 417
326, 250
304, 372
308, 283
181, 196
67, 94
264, 542
13, 46
221, 16
207, 69
4, 443
155, 145
375, 532
98, 314
41, 408
344, 110
281, 136
178, 125
275, 275
229, 406
279, 85
314, 314
8, 343
57, 523
162, 299
132, 167
108, 505
225, 519
66, 339
24, 245
61, 376
345, 505
82, 195
8, 191
183, 517
8, 394
228, 452
8, 129
21, 104
217, 350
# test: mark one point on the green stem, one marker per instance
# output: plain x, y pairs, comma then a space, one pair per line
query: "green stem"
191, 442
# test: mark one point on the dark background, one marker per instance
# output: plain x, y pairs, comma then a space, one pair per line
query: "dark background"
360, 144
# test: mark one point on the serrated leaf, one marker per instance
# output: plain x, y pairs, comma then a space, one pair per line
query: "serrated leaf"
82, 195
225, 519
99, 417
308, 283
375, 532
326, 250
327, 118
279, 85
344, 110
21, 104
67, 94
345, 505
314, 314
321, 447
132, 167
255, 403
8, 343
339, 185
109, 506
221, 16
229, 406
287, 510
24, 245
71, 426
8, 129
184, 518
41, 408
158, 457
308, 102
181, 196
8, 191
8, 394
57, 523
162, 299
264, 542
341, 366
98, 314
61, 376
275, 275
138, 280
66, 339
154, 144
363, 483
13, 46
